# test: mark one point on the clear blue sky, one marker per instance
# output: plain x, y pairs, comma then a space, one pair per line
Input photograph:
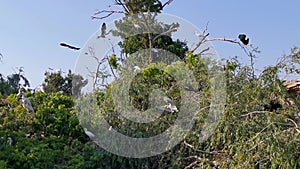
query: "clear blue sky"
30, 31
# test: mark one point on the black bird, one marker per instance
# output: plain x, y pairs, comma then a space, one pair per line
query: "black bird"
243, 39
103, 31
69, 46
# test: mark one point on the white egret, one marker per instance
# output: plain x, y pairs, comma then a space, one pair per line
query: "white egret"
10, 140
136, 68
90, 134
137, 26
170, 106
25, 101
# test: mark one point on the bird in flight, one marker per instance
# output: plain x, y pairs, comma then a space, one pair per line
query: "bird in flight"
103, 31
69, 46
243, 39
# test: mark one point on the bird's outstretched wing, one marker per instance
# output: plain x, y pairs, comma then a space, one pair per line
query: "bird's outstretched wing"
69, 46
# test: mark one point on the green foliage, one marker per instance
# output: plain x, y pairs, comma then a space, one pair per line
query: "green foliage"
13, 82
113, 61
252, 132
49, 138
68, 85
137, 6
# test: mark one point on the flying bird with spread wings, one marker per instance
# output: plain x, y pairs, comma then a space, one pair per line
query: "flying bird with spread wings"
69, 46
103, 31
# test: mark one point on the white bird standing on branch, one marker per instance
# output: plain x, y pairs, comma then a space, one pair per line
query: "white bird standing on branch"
88, 133
25, 102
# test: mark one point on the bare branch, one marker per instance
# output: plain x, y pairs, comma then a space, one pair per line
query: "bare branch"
167, 3
118, 2
202, 40
198, 159
232, 41
108, 13
255, 112
165, 33
296, 125
199, 151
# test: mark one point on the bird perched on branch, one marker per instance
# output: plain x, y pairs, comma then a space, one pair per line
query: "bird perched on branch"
103, 31
69, 46
170, 106
88, 133
25, 101
243, 39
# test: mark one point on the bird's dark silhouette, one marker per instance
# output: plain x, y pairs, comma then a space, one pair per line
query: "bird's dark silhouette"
103, 31
243, 39
69, 46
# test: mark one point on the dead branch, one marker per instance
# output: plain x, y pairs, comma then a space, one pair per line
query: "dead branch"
199, 151
108, 13
255, 112
118, 2
198, 159
167, 3
296, 125
202, 40
232, 41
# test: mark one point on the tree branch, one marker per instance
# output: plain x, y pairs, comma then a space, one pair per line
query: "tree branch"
108, 13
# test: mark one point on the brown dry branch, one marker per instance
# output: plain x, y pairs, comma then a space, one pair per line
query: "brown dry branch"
292, 86
255, 112
199, 151
193, 164
296, 125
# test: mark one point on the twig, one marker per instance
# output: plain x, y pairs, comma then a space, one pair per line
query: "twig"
198, 159
200, 42
118, 2
255, 112
232, 41
167, 3
296, 125
165, 33
109, 12
199, 151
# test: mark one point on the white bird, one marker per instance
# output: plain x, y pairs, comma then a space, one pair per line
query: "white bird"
103, 31
136, 68
25, 102
170, 106
10, 140
198, 34
90, 134
137, 26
